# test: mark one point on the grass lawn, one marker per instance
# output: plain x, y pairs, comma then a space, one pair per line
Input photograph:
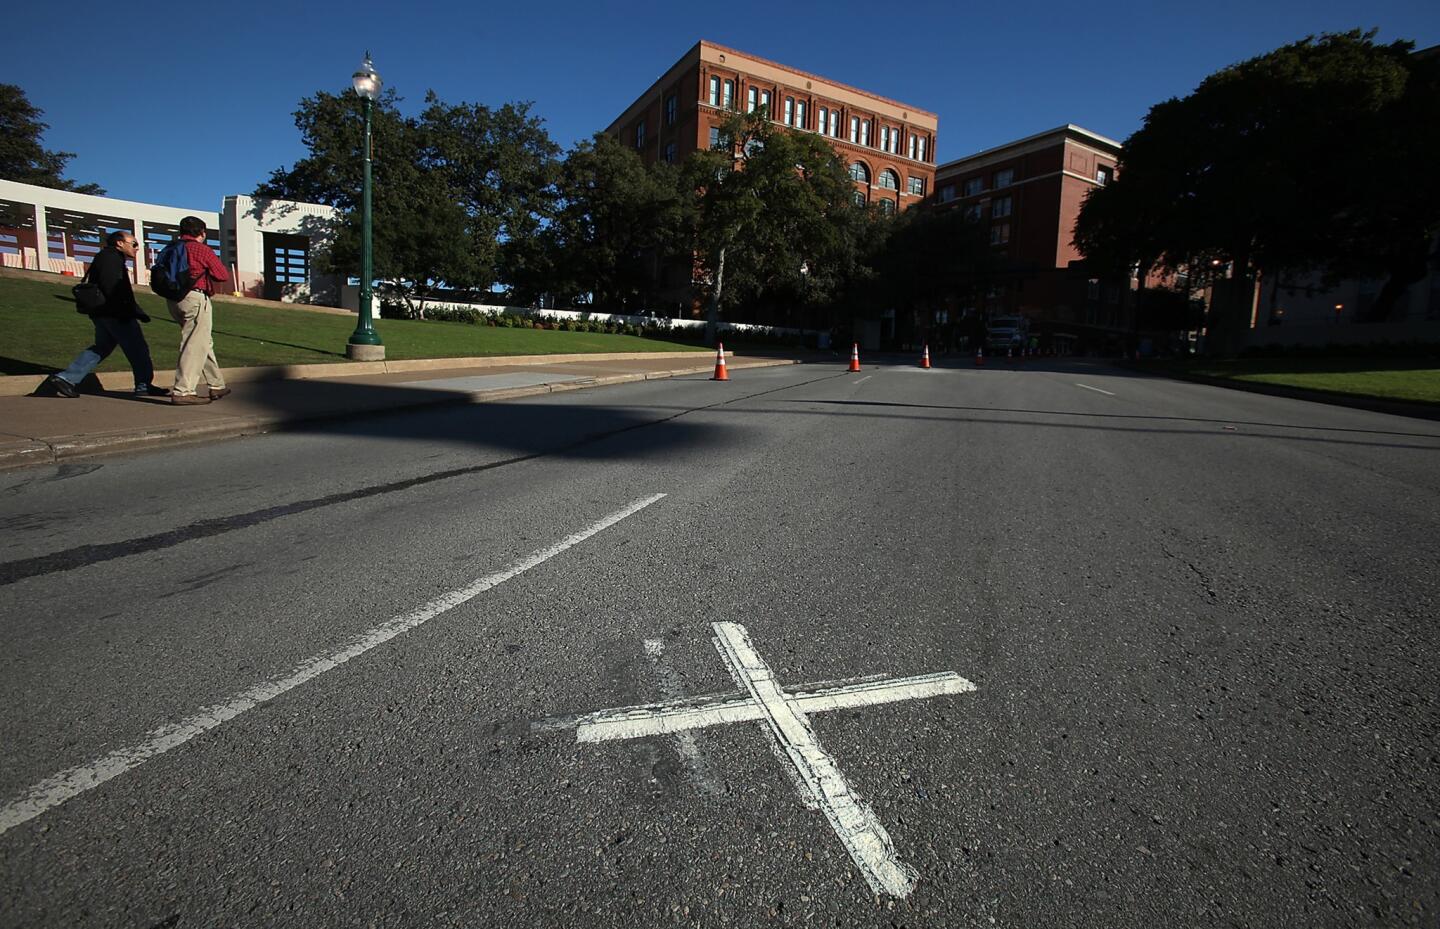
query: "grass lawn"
1387, 378
42, 333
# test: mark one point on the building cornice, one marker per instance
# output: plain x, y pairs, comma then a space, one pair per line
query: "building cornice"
1100, 144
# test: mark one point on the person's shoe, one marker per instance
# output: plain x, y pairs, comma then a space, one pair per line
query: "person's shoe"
150, 390
62, 387
188, 399
219, 393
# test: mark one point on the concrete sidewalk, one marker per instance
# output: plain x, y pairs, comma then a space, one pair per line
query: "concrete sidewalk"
46, 430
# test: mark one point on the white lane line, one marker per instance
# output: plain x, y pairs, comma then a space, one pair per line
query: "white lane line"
673, 716
865, 378
1096, 389
850, 816
696, 766
71, 782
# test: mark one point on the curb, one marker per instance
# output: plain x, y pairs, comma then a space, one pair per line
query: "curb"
27, 452
21, 385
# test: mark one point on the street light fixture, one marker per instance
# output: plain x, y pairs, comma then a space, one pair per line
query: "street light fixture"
365, 344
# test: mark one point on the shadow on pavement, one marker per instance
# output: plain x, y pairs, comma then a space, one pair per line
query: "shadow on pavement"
1228, 427
526, 429
1087, 415
501, 434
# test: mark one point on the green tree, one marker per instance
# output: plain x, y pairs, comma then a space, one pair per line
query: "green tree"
454, 188
768, 205
502, 166
421, 235
619, 222
1272, 164
23, 157
933, 256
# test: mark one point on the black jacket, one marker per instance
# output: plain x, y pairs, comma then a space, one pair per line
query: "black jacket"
108, 272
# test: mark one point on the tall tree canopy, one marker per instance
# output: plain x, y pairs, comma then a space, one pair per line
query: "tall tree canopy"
769, 204
23, 157
453, 187
1314, 156
935, 256
618, 224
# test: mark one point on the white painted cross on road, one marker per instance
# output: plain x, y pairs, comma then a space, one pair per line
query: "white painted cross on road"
785, 714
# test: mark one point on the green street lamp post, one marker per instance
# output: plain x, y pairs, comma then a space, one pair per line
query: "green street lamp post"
365, 344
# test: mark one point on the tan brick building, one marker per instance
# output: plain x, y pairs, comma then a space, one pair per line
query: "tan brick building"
888, 146
1028, 193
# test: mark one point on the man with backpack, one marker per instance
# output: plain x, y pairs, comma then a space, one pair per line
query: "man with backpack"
189, 303
117, 321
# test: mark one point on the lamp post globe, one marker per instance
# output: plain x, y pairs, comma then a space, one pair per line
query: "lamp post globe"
365, 344
366, 80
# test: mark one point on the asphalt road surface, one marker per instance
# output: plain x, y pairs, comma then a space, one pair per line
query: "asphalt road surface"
1052, 646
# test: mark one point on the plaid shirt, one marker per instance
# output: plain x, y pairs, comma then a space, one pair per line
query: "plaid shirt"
205, 269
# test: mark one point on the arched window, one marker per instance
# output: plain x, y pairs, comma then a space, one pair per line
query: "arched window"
859, 172
889, 180
887, 206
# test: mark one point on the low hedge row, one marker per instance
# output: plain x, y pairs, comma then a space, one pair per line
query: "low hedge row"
653, 329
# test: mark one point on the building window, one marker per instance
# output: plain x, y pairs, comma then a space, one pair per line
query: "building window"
670, 153
670, 110
727, 96
887, 207
974, 185
1004, 178
858, 172
714, 91
800, 115
835, 123
947, 193
921, 156
1000, 207
855, 129
765, 103
640, 135
858, 197
888, 180
865, 132
715, 137
999, 233
1104, 175
824, 122
750, 96
917, 186
913, 140
972, 212
789, 111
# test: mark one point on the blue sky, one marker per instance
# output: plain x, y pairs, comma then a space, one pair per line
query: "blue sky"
106, 77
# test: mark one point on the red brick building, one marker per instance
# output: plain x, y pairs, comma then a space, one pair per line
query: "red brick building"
1028, 193
889, 146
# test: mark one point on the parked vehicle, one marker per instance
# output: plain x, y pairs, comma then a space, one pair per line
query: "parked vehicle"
1006, 332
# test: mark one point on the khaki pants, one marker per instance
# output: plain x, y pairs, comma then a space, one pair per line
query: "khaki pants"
197, 349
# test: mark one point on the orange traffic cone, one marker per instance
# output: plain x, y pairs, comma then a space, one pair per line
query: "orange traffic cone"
854, 357
720, 373
980, 357
925, 358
